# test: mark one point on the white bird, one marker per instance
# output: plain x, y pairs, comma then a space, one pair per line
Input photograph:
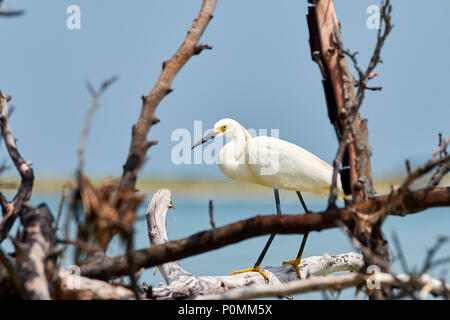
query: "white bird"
270, 162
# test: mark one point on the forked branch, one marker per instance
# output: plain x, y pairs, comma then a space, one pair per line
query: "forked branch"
139, 144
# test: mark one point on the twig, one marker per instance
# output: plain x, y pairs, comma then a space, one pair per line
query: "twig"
340, 282
87, 289
13, 276
429, 263
87, 247
414, 174
407, 287
37, 244
127, 235
400, 254
96, 94
383, 33
358, 148
61, 206
211, 214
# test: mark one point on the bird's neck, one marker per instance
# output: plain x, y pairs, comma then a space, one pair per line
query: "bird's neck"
234, 149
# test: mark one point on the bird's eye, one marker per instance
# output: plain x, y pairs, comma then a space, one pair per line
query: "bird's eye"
223, 128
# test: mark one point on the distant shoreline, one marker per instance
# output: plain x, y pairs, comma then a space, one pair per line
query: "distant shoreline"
193, 186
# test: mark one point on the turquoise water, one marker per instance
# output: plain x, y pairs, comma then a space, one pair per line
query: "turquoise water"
417, 233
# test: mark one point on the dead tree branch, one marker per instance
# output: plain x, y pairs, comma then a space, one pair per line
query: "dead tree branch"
357, 127
414, 175
12, 209
187, 285
112, 208
211, 214
443, 167
11, 276
4, 12
32, 255
139, 144
410, 202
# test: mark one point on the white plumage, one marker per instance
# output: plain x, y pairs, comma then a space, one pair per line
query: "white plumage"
270, 161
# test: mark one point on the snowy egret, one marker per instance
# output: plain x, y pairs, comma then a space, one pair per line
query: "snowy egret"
270, 162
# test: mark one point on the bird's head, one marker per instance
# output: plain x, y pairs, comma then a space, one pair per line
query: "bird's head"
223, 128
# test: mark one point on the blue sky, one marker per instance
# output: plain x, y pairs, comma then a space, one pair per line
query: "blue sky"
259, 72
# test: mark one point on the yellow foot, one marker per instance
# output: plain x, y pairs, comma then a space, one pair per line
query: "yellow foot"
295, 263
257, 269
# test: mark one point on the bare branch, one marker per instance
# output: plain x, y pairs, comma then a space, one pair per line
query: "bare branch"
334, 283
96, 94
182, 282
383, 32
358, 147
443, 167
211, 215
12, 209
400, 254
139, 143
429, 263
414, 174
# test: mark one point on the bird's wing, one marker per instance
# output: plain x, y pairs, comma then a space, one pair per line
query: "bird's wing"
288, 166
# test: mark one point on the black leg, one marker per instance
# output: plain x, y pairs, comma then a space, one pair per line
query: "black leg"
272, 236
305, 236
299, 195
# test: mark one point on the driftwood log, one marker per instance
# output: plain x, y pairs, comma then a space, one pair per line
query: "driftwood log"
181, 283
